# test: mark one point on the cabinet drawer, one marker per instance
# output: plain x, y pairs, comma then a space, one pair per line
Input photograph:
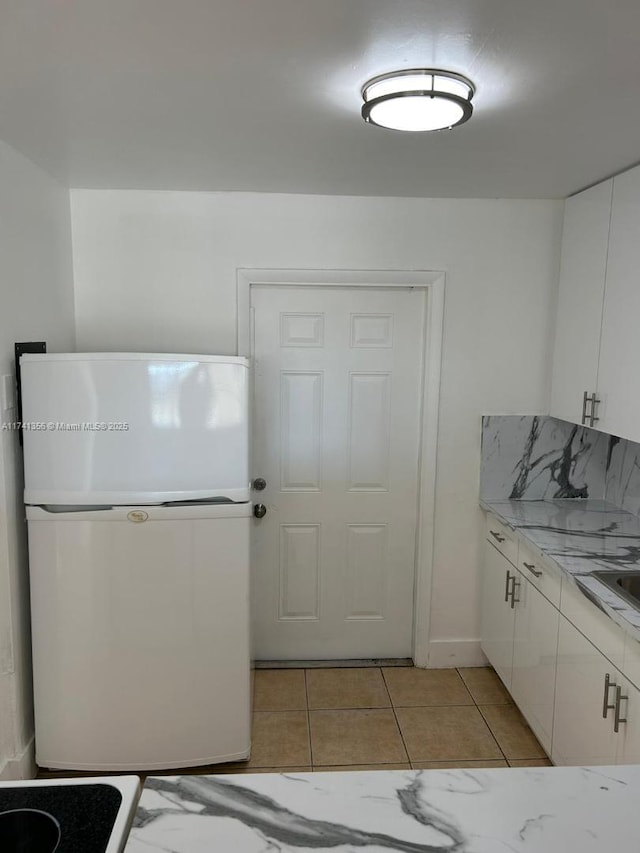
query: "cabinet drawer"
502, 538
538, 572
595, 625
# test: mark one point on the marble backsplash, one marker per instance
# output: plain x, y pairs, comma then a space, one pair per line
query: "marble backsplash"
622, 482
533, 457
536, 457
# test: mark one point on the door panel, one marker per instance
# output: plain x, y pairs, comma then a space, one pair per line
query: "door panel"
301, 426
369, 431
338, 379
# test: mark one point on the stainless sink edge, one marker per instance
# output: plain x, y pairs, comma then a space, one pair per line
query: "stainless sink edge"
610, 578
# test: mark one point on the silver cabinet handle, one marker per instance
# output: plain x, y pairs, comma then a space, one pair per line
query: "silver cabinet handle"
606, 707
591, 417
506, 586
515, 586
532, 569
497, 536
617, 719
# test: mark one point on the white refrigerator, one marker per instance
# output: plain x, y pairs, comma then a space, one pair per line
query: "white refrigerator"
137, 496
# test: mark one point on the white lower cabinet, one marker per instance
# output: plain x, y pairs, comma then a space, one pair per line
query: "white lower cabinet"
498, 613
597, 709
581, 734
629, 734
571, 670
586, 683
535, 641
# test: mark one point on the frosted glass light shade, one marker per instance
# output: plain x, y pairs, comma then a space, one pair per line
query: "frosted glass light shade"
418, 100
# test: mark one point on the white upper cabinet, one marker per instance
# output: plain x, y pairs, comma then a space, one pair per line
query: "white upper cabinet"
619, 407
582, 279
597, 346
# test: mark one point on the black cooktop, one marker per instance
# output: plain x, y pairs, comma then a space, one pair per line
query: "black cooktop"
61, 818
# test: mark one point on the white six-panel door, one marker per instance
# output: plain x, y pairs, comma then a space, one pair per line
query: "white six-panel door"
336, 437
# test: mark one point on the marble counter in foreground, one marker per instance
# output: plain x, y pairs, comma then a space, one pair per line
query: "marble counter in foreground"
550, 810
581, 536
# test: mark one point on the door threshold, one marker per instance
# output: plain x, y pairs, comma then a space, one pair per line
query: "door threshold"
324, 664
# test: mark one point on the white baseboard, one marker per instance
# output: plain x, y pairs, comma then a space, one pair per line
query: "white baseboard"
21, 767
447, 653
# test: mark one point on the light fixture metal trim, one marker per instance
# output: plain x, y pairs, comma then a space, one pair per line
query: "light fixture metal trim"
430, 91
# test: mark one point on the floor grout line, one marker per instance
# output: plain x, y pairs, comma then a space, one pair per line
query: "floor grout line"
356, 708
486, 722
306, 696
365, 763
395, 717
464, 684
483, 716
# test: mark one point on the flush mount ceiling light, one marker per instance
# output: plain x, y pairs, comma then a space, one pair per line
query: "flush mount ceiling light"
418, 99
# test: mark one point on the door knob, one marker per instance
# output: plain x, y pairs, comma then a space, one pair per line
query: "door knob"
259, 510
259, 484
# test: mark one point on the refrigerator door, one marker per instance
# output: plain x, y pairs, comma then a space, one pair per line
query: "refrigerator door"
140, 634
124, 428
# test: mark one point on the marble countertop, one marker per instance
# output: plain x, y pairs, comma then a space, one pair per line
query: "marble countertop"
581, 536
550, 810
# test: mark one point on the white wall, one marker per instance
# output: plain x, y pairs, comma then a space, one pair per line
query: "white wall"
157, 271
36, 303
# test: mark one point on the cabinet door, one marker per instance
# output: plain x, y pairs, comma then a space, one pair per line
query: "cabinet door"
497, 614
629, 731
582, 275
581, 735
619, 409
535, 646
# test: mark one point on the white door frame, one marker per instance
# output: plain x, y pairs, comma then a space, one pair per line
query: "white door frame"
433, 284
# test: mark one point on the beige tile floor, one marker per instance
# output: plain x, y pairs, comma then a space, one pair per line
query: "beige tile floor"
382, 718
385, 718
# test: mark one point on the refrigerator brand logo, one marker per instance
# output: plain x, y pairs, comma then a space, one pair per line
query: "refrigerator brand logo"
137, 515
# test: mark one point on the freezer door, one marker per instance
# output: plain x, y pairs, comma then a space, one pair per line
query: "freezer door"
140, 634
123, 428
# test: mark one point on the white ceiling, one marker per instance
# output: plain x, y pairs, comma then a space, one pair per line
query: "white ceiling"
265, 94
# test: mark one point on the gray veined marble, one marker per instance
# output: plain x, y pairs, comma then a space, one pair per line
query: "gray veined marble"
541, 810
221, 797
538, 457
580, 537
622, 485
